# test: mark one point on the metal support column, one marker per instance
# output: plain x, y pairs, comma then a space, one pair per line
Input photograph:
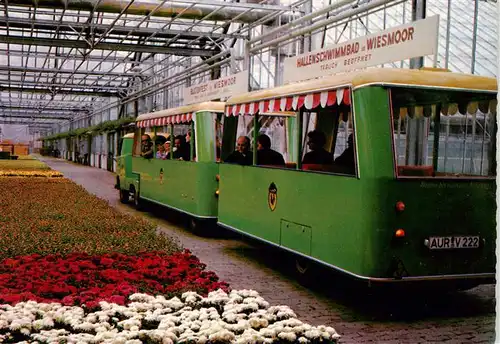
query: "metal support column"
416, 134
418, 11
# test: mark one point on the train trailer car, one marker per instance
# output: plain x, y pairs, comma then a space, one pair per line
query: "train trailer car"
174, 160
368, 180
124, 177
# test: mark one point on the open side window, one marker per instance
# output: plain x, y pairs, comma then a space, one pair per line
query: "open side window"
443, 133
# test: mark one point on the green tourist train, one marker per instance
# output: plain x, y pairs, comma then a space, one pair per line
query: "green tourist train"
386, 175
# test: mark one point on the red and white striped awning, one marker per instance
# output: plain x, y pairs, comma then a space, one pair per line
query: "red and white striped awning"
309, 101
161, 121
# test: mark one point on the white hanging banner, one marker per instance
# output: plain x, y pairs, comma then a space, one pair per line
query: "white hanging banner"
414, 39
214, 89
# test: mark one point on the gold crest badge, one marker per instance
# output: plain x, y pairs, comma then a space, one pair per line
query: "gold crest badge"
272, 196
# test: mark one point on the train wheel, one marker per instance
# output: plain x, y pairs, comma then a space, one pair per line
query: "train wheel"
124, 196
194, 224
302, 266
197, 226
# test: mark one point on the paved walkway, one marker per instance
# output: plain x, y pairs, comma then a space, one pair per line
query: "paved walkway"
467, 317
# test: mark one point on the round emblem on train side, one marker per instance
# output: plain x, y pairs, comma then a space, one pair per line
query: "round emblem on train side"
272, 196
161, 176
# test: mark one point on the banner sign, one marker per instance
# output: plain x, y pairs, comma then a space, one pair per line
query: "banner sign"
414, 39
214, 89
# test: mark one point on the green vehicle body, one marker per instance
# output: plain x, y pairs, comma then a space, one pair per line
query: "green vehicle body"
348, 223
186, 186
124, 176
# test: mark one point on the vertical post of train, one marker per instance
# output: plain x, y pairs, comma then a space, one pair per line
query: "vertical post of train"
416, 126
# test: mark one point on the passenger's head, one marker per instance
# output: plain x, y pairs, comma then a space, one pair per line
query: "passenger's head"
179, 141
188, 136
243, 144
316, 139
145, 139
167, 146
263, 142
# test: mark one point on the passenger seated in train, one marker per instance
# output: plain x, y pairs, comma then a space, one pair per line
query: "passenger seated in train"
167, 149
160, 147
265, 155
146, 146
318, 154
346, 160
242, 155
181, 148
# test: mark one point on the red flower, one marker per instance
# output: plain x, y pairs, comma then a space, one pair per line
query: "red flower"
78, 279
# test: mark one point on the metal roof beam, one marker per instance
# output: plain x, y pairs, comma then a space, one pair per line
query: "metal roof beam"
7, 107
4, 88
4, 99
52, 55
57, 86
63, 71
31, 123
227, 10
67, 43
34, 116
25, 23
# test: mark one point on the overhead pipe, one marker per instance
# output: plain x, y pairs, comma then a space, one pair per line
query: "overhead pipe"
303, 19
178, 78
323, 23
144, 7
196, 66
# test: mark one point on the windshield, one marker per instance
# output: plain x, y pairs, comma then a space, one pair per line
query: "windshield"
443, 133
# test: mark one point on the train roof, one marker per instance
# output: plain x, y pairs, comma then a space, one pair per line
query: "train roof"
425, 77
193, 108
128, 136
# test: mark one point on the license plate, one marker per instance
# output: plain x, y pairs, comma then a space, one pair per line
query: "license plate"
452, 242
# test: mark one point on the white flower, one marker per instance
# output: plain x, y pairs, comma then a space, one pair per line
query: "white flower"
290, 336
240, 317
222, 336
257, 322
313, 334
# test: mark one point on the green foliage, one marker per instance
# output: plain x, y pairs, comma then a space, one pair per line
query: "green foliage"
97, 129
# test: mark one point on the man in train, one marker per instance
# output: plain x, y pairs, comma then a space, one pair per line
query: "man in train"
146, 147
318, 154
242, 155
182, 148
346, 160
266, 155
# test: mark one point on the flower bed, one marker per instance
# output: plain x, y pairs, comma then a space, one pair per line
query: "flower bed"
22, 173
26, 157
55, 215
81, 279
23, 164
27, 166
238, 317
59, 283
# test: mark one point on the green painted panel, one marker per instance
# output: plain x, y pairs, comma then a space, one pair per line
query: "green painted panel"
296, 237
205, 133
329, 205
184, 185
445, 208
124, 164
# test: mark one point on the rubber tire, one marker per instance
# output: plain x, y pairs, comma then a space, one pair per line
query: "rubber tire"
303, 272
124, 196
302, 266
